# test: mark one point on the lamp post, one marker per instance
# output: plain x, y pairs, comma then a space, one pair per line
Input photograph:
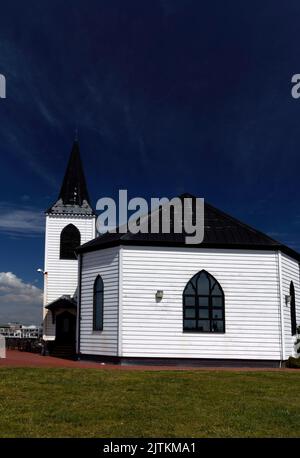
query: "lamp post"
45, 351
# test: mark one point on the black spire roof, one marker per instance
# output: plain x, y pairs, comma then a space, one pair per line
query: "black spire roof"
73, 196
220, 231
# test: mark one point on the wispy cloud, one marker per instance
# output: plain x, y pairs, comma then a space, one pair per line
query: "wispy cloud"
18, 140
20, 221
25, 197
17, 145
135, 133
19, 301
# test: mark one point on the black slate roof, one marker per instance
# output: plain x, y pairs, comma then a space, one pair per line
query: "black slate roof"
73, 196
220, 231
65, 302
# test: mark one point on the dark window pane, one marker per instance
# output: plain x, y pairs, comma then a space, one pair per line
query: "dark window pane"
98, 314
203, 284
194, 283
293, 309
98, 311
98, 284
203, 314
189, 324
217, 301
190, 313
218, 326
69, 241
203, 306
216, 290
204, 325
98, 304
190, 301
189, 289
203, 301
217, 314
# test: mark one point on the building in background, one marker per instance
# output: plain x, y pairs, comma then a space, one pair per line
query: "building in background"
20, 331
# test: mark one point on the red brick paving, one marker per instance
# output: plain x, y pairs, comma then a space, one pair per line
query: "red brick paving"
15, 358
22, 359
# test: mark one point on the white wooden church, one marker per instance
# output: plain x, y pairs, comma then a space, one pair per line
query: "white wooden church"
131, 298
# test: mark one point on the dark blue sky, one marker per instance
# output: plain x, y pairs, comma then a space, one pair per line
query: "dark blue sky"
168, 96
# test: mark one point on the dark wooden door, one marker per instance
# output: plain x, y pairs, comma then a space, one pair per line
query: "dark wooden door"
66, 328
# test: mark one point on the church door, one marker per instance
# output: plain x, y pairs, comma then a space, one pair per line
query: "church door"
66, 328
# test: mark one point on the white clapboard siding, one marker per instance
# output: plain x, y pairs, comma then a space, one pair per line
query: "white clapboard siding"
252, 303
62, 274
290, 272
106, 263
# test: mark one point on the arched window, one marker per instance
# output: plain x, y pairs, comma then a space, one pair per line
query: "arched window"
98, 304
69, 241
203, 304
293, 309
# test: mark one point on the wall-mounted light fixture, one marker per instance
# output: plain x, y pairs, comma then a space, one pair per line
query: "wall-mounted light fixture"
159, 295
287, 300
41, 271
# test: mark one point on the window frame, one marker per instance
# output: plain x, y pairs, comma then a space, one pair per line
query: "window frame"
70, 256
95, 293
209, 308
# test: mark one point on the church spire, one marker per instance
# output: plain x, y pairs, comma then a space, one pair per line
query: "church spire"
73, 196
74, 189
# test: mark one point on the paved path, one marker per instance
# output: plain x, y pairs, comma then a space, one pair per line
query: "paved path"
22, 359
15, 358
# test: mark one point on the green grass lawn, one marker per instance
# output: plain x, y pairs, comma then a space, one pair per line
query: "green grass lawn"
111, 403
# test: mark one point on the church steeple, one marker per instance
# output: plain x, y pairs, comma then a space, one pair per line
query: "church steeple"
70, 222
74, 189
73, 197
